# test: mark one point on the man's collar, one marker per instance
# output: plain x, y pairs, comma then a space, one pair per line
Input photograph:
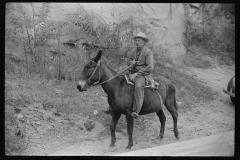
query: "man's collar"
140, 49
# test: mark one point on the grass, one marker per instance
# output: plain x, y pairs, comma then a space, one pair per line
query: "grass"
226, 58
186, 85
197, 62
197, 57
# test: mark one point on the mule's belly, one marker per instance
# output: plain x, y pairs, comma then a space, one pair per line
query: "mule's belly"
149, 110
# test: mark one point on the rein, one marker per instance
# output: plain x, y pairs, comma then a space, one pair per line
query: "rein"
97, 83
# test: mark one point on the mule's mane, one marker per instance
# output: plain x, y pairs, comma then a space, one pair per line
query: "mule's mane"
110, 68
112, 71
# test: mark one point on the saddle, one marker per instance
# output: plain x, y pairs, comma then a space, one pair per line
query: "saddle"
148, 83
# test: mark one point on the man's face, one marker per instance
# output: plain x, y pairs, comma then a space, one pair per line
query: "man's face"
140, 42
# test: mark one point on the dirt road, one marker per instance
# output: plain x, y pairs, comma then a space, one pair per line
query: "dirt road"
215, 145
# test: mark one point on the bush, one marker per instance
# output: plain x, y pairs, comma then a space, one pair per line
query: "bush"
215, 39
198, 32
190, 60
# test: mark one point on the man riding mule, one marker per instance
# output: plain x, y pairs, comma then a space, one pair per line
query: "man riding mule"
142, 61
120, 97
143, 67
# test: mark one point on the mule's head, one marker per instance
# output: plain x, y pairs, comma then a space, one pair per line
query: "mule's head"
90, 73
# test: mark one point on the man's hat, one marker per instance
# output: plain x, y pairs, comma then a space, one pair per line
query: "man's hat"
141, 35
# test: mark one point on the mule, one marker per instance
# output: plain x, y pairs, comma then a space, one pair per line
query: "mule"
121, 95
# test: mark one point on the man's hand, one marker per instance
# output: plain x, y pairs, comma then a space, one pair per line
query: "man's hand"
133, 76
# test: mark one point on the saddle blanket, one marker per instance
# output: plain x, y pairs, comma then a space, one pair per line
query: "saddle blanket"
150, 83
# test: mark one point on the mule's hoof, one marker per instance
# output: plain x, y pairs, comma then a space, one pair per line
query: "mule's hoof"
128, 148
178, 137
176, 133
112, 149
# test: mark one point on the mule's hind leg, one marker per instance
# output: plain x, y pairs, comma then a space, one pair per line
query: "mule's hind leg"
115, 118
162, 119
171, 107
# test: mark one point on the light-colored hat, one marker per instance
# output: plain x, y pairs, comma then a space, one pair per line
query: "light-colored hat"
141, 35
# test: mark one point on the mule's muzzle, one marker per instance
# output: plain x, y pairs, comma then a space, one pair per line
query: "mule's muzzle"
82, 86
81, 89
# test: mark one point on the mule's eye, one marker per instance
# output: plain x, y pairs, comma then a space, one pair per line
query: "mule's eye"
90, 65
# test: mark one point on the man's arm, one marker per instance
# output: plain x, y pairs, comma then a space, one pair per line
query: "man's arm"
149, 65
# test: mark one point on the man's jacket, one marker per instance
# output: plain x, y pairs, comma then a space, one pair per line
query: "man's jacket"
144, 64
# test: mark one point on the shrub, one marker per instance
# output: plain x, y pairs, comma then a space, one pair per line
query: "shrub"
211, 36
197, 61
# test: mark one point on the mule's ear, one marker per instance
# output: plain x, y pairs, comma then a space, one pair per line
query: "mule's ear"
98, 56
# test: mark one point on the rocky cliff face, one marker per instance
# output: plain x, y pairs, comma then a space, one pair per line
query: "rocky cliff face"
165, 22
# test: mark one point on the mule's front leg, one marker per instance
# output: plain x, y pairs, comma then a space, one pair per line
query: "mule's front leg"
130, 130
115, 118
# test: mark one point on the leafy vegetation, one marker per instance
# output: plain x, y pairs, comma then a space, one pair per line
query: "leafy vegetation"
208, 36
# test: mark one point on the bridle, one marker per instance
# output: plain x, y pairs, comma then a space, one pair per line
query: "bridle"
89, 79
98, 82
